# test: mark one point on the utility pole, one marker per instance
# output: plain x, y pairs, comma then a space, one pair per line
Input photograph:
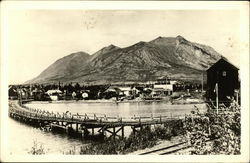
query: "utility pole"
217, 97
217, 93
202, 83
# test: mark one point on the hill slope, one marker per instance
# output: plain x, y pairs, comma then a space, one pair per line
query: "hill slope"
164, 56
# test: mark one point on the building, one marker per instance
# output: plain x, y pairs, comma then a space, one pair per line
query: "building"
54, 94
225, 75
124, 91
163, 86
12, 93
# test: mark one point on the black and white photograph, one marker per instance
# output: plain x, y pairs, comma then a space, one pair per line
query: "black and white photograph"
146, 80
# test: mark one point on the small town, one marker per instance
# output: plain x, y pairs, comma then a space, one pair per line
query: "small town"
160, 90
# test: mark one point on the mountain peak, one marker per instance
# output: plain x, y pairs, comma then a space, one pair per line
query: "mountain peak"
111, 46
163, 40
75, 55
180, 38
105, 50
141, 43
142, 61
78, 53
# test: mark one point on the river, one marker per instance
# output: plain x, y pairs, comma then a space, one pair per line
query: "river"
22, 136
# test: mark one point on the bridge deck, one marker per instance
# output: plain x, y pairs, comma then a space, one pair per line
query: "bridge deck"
93, 120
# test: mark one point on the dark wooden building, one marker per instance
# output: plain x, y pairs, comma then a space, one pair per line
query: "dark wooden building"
13, 93
226, 75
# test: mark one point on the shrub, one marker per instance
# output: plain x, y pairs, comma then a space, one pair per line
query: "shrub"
223, 128
36, 149
142, 139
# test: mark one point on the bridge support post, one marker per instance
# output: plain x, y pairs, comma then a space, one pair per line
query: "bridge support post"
76, 127
113, 134
122, 131
93, 131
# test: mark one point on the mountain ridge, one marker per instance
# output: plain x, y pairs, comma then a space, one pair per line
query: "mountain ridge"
140, 62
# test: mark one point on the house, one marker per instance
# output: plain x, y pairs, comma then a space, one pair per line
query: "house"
23, 93
124, 91
37, 94
158, 91
224, 75
164, 86
54, 94
134, 91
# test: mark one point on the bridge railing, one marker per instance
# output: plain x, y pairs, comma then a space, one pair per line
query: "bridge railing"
45, 115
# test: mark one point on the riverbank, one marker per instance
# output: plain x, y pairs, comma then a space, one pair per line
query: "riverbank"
99, 101
117, 102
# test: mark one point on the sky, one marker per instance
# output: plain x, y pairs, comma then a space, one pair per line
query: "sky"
37, 38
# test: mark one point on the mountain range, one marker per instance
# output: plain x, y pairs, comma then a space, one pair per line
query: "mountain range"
174, 57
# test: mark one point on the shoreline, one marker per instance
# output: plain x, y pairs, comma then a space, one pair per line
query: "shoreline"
114, 102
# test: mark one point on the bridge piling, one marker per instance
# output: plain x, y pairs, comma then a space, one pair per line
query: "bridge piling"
76, 127
122, 131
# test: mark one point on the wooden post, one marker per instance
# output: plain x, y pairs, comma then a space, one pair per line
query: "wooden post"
103, 130
93, 131
122, 131
114, 132
76, 127
133, 128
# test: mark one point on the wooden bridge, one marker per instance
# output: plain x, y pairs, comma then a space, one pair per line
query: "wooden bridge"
81, 124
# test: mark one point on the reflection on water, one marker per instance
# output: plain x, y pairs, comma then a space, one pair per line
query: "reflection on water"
21, 136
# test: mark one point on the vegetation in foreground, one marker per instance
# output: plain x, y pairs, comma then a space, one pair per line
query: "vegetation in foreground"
145, 138
37, 149
223, 129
